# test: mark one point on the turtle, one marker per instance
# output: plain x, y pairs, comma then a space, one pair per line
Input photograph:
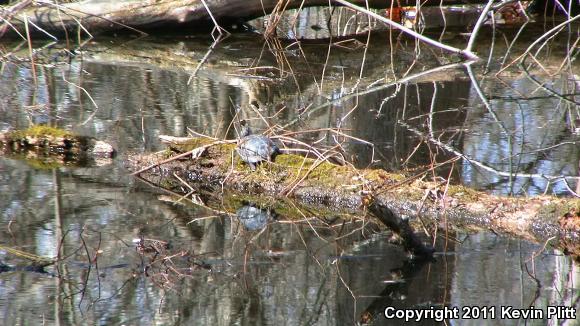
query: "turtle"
254, 149
254, 218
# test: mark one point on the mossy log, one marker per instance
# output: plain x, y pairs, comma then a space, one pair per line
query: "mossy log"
102, 15
393, 198
49, 147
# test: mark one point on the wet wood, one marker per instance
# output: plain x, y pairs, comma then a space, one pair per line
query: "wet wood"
393, 199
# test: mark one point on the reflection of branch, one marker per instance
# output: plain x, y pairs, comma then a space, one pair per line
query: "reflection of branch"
204, 59
507, 53
482, 97
88, 95
549, 90
466, 53
372, 90
32, 64
485, 101
469, 159
199, 202
402, 228
549, 33
537, 293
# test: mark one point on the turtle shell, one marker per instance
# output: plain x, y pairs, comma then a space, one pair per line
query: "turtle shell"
256, 148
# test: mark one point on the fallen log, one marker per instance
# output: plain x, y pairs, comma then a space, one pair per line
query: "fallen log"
51, 147
96, 16
392, 198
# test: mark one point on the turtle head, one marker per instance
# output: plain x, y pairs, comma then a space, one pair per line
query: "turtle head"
244, 129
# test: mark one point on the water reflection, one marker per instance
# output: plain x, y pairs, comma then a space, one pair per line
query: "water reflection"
539, 281
196, 266
518, 128
301, 272
254, 218
529, 135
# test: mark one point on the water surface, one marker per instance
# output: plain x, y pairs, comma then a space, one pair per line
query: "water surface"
293, 273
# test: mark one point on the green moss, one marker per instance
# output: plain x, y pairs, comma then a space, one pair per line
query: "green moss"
227, 149
556, 209
290, 168
378, 176
167, 153
39, 161
297, 167
191, 144
37, 131
463, 192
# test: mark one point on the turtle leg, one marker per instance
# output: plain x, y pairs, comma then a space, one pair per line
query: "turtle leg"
252, 166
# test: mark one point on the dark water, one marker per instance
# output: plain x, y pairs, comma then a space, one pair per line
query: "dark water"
524, 142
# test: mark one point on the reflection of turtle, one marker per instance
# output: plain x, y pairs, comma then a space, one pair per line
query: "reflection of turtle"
253, 218
254, 149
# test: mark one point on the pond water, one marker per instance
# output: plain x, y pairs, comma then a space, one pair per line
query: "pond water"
520, 138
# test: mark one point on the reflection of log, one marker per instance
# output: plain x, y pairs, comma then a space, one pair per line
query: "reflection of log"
401, 227
37, 263
394, 292
116, 15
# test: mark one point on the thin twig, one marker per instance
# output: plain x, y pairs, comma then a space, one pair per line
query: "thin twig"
549, 33
42, 30
87, 93
205, 57
8, 13
373, 89
191, 152
12, 26
217, 27
32, 64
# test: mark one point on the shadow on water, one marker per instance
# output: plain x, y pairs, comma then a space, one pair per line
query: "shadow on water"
194, 265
